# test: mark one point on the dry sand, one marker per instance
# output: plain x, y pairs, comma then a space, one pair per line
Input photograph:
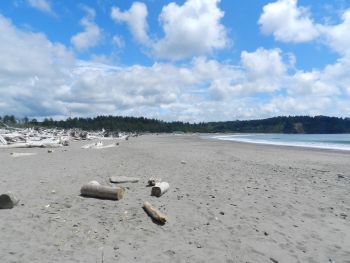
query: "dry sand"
229, 202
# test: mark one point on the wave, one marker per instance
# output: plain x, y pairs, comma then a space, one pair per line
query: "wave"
290, 140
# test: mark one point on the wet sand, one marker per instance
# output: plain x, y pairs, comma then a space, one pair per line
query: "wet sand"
229, 202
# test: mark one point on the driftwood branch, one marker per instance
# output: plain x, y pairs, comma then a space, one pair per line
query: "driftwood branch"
159, 217
123, 179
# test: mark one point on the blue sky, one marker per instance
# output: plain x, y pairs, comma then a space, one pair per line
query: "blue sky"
194, 60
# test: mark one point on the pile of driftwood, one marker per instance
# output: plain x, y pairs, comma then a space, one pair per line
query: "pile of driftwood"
96, 190
50, 138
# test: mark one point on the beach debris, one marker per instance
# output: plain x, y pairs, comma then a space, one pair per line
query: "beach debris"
94, 189
11, 137
50, 151
14, 154
159, 189
273, 260
156, 215
8, 200
123, 179
92, 145
153, 180
183, 162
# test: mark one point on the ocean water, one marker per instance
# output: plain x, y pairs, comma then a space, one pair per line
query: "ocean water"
321, 141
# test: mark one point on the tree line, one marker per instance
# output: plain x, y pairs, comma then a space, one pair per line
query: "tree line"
283, 124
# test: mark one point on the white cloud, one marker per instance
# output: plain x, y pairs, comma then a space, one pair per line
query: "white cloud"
135, 18
28, 79
263, 63
288, 22
49, 81
338, 36
91, 35
191, 29
118, 41
42, 5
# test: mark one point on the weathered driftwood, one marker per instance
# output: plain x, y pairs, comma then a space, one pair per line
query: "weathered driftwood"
94, 189
2, 140
21, 154
123, 179
94, 145
32, 145
154, 213
106, 146
153, 181
159, 189
8, 201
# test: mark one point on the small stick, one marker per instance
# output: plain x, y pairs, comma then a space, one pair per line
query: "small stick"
154, 213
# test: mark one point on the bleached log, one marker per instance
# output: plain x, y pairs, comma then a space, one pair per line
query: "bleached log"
154, 213
2, 140
21, 154
8, 201
106, 146
103, 192
123, 179
153, 181
31, 145
159, 189
92, 145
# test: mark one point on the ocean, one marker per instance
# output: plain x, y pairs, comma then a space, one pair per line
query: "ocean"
321, 141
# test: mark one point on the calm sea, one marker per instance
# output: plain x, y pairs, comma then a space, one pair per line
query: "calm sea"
323, 141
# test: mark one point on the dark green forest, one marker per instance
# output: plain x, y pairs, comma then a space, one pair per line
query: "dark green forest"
290, 124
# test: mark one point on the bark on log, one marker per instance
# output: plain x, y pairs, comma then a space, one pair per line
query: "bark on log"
103, 192
123, 179
8, 201
159, 189
154, 213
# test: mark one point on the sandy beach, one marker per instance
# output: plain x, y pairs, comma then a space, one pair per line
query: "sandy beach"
228, 202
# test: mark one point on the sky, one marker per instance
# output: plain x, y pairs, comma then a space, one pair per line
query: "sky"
186, 60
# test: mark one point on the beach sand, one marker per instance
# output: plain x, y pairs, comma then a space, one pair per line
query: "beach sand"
228, 202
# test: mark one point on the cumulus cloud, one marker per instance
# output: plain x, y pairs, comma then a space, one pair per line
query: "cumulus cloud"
191, 29
287, 22
91, 35
42, 5
28, 79
338, 36
135, 18
50, 82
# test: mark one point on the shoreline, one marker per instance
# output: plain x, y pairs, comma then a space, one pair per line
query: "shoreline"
272, 144
227, 202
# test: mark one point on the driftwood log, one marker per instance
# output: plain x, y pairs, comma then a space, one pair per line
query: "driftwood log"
159, 217
123, 179
8, 201
94, 189
153, 181
159, 189
21, 154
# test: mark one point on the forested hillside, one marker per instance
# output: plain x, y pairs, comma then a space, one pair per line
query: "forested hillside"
298, 124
